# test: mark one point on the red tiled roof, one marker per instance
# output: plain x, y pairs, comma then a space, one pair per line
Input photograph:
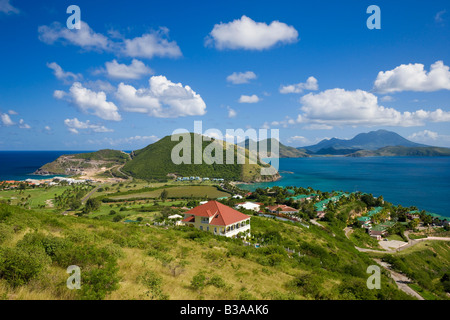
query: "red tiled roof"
189, 219
222, 214
282, 207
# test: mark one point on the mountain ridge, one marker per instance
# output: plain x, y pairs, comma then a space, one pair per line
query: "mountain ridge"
370, 141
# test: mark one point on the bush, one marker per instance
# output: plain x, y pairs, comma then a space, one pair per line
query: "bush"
20, 265
117, 218
307, 285
198, 281
217, 282
6, 233
97, 283
4, 214
153, 283
50, 244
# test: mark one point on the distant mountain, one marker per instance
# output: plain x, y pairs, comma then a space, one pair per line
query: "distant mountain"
403, 151
364, 141
155, 162
284, 151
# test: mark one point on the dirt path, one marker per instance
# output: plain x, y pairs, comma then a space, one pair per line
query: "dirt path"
400, 279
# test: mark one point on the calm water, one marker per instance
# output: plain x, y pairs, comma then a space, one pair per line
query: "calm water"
420, 181
18, 165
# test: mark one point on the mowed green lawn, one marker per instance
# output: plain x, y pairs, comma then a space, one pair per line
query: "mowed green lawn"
38, 196
178, 192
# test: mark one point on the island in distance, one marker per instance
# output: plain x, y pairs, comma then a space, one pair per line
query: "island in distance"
375, 143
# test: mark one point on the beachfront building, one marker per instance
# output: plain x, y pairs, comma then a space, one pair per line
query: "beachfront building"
217, 218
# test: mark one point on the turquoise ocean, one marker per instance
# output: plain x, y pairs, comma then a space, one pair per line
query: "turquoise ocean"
423, 182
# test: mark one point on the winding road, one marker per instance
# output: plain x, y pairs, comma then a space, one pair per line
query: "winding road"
400, 279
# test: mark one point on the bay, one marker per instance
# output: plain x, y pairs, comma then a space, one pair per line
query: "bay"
423, 182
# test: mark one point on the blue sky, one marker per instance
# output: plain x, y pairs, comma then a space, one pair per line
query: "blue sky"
138, 70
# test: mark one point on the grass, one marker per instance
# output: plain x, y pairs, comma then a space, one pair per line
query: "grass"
177, 192
176, 255
362, 240
425, 263
38, 196
394, 237
427, 295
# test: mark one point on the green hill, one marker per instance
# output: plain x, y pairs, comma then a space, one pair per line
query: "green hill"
74, 163
154, 162
284, 151
403, 152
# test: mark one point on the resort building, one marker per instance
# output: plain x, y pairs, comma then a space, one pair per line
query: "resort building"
281, 208
255, 206
217, 218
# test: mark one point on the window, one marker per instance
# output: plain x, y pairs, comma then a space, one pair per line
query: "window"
201, 227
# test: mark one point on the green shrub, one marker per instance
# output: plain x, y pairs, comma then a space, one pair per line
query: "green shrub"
97, 283
153, 283
6, 233
20, 265
198, 281
50, 244
217, 282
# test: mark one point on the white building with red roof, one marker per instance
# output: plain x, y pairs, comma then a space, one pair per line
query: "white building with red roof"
217, 218
282, 208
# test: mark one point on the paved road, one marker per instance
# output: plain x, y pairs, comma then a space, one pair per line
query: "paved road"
86, 197
400, 279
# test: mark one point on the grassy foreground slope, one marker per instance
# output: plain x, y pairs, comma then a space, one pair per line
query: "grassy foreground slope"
122, 261
155, 162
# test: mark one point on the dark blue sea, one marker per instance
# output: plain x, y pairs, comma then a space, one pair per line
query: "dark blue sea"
19, 165
423, 182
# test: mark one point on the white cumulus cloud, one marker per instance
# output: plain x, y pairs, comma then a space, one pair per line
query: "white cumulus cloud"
90, 102
84, 37
231, 113
74, 125
63, 75
310, 84
241, 77
148, 45
6, 119
360, 108
151, 44
6, 7
163, 99
249, 99
244, 33
413, 77
136, 70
